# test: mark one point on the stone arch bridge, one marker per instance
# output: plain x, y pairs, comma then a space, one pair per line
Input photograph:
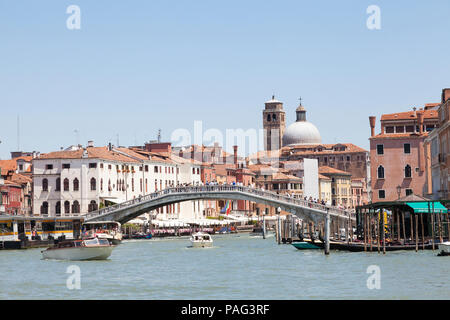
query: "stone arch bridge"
303, 209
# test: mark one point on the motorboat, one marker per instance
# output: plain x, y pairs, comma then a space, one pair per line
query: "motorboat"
260, 232
87, 249
201, 240
303, 245
109, 230
444, 249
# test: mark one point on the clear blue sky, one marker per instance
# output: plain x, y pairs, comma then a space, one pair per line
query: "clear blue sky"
136, 66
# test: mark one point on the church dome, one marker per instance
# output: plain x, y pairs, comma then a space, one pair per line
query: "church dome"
301, 132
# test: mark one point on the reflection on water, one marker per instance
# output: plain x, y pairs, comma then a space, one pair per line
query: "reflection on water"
236, 267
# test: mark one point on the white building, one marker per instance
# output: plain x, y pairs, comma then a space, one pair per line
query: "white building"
79, 180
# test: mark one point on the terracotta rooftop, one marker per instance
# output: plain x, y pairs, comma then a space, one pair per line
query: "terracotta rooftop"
427, 114
329, 170
325, 149
285, 177
321, 176
93, 153
399, 135
7, 166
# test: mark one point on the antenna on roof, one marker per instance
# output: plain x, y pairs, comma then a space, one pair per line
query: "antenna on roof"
77, 136
159, 135
18, 133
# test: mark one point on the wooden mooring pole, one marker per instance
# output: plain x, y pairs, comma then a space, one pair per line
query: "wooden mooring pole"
417, 240
327, 234
384, 234
423, 233
365, 230
378, 232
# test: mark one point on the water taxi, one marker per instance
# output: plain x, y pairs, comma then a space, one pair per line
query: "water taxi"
18, 232
201, 240
110, 230
88, 249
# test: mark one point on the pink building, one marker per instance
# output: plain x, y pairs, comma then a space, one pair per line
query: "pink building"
397, 154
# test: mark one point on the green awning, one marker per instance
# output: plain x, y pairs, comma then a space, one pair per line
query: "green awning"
427, 207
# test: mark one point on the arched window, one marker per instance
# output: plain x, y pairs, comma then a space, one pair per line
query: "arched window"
274, 117
101, 184
408, 171
268, 117
44, 185
93, 184
141, 184
132, 184
109, 185
58, 208
380, 172
75, 207
92, 206
44, 208
58, 184
66, 207
66, 184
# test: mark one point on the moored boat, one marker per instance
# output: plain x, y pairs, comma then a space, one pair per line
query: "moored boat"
88, 249
304, 245
444, 249
201, 240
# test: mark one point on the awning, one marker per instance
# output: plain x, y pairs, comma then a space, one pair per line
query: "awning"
427, 207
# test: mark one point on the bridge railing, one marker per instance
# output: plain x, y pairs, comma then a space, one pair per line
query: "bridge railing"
222, 188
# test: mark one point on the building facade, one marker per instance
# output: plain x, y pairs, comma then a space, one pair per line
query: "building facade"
397, 154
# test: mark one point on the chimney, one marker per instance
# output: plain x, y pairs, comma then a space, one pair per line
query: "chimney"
110, 147
235, 148
420, 121
90, 144
372, 121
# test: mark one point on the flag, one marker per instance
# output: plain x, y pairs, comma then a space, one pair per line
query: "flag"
227, 208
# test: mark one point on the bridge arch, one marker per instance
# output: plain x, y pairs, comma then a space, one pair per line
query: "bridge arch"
131, 209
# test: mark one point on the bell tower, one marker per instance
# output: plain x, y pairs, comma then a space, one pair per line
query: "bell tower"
274, 124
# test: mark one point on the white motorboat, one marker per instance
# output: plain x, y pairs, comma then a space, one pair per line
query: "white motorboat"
201, 240
444, 248
88, 249
110, 230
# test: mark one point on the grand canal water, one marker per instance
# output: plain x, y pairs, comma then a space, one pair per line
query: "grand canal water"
237, 267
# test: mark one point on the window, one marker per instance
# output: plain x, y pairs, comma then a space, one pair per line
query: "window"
92, 206
408, 192
49, 167
132, 184
76, 207
58, 208
156, 169
101, 165
408, 171
44, 208
409, 128
20, 167
109, 166
400, 129
76, 184
274, 117
44, 185
389, 129
348, 158
93, 184
58, 184
380, 149
268, 118
66, 207
66, 166
92, 165
101, 184
381, 194
380, 172
407, 148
